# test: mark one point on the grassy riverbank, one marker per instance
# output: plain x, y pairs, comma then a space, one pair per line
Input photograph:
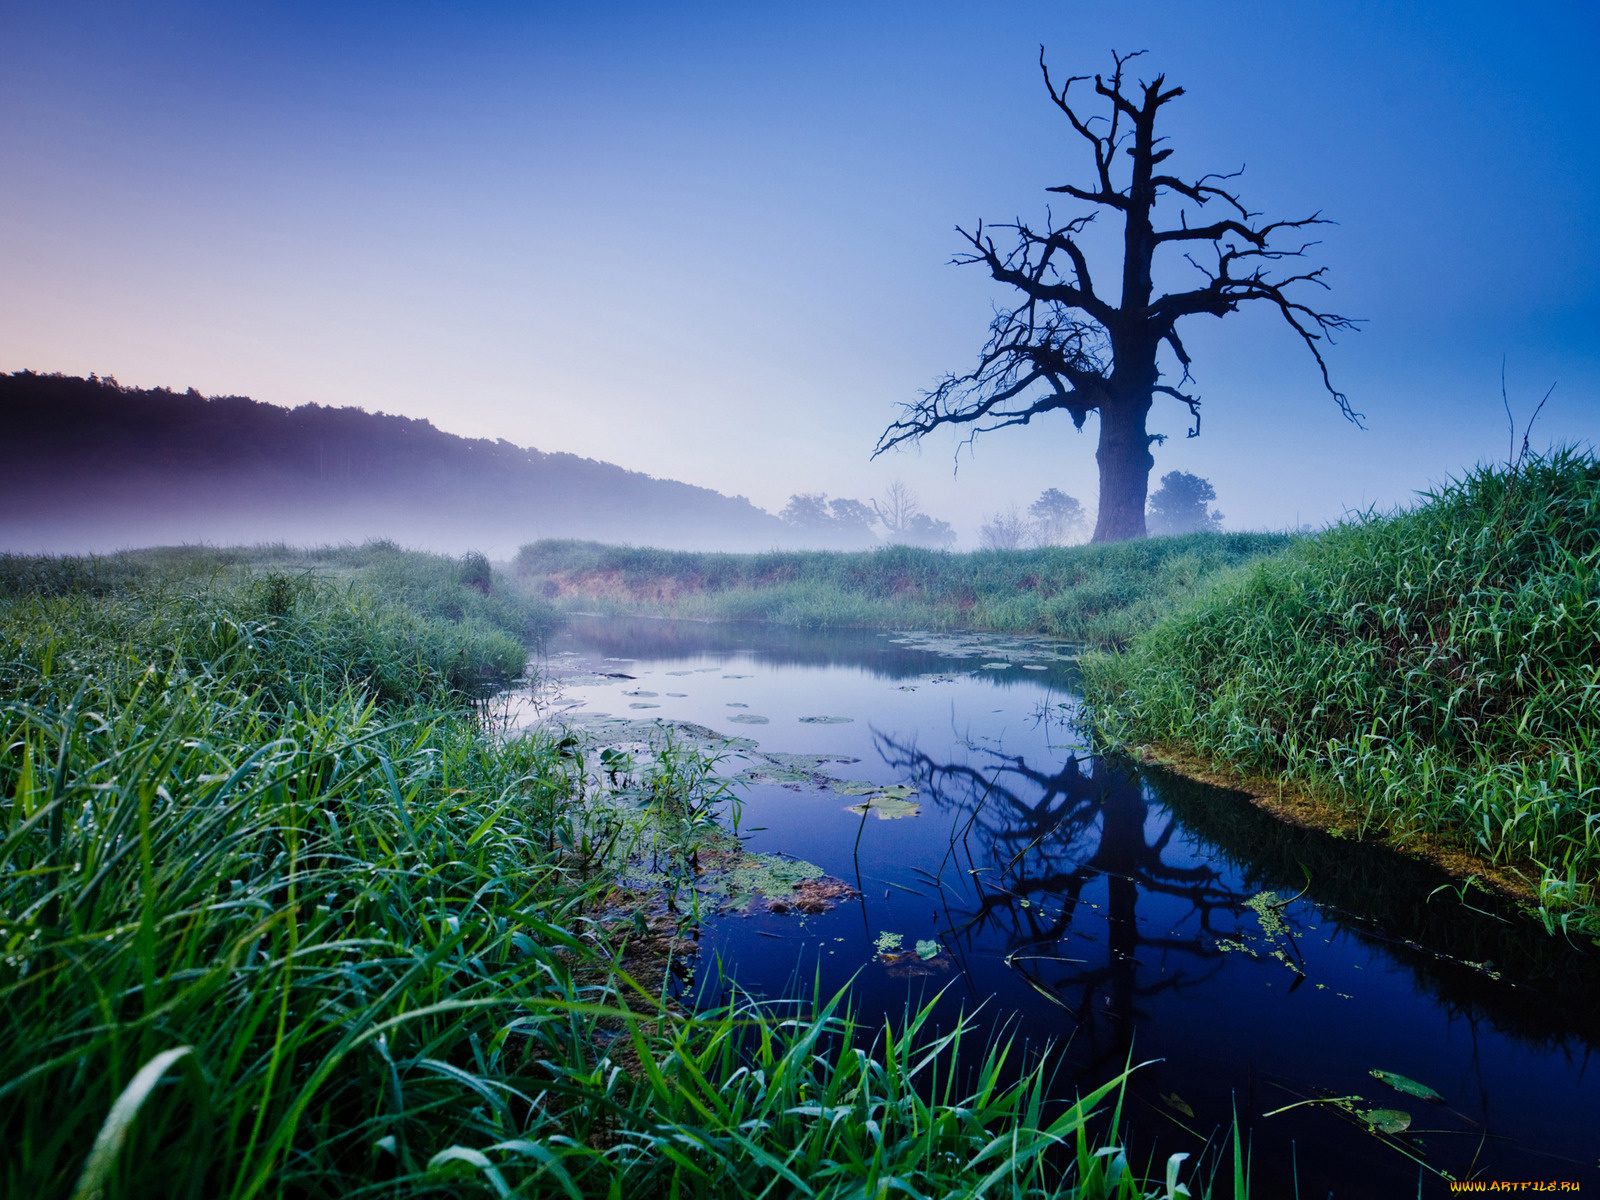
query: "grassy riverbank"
282, 917
1097, 594
1430, 673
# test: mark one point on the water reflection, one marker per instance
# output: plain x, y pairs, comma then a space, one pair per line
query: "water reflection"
1041, 837
1113, 910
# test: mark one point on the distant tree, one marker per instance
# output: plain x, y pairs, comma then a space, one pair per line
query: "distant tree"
1057, 517
897, 508
807, 510
1062, 344
1005, 530
852, 518
923, 530
837, 522
1179, 505
904, 522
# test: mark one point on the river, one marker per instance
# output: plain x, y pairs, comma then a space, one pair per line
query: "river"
1107, 912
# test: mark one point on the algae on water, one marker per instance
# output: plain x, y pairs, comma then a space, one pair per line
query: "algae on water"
1267, 906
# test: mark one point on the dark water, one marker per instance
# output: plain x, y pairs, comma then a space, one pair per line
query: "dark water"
1114, 913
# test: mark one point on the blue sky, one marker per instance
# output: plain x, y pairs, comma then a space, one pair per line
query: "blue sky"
711, 242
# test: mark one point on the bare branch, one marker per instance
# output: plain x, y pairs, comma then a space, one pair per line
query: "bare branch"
1063, 346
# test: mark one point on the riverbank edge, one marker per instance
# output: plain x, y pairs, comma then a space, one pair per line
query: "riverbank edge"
1301, 807
1098, 595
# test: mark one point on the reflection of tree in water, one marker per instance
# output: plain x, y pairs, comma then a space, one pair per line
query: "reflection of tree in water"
1032, 842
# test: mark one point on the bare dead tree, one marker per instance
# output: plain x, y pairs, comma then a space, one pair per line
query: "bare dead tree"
897, 508
1064, 346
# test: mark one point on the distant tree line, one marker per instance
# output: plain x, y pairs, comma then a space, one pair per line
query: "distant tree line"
1180, 505
851, 524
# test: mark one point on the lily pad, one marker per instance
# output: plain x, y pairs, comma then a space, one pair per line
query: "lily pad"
927, 949
735, 704
807, 762
738, 676
855, 787
887, 810
1036, 667
640, 693
745, 718
994, 666
765, 774
1386, 1120
643, 704
827, 720
898, 792
1409, 1086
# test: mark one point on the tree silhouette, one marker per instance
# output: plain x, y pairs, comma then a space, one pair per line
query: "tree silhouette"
1065, 346
1058, 515
1052, 832
839, 522
1004, 530
1180, 504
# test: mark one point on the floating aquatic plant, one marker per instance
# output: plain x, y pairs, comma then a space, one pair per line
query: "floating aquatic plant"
888, 809
1409, 1087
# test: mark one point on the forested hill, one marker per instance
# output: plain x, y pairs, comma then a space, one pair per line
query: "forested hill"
90, 465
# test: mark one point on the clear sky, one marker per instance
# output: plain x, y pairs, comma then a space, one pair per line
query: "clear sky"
711, 242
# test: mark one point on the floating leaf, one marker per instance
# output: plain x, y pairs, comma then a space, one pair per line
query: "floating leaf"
643, 704
1387, 1120
1034, 667
748, 719
927, 949
995, 666
854, 787
773, 775
1409, 1086
806, 762
1176, 1101
827, 720
898, 792
886, 808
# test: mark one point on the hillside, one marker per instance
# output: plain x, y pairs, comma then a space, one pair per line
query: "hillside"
92, 466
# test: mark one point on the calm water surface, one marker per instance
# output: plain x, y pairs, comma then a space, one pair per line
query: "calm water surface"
1113, 913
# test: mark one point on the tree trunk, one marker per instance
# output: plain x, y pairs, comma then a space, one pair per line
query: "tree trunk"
1125, 462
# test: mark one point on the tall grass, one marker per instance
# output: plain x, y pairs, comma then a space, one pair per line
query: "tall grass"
1098, 594
1435, 670
281, 918
386, 575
